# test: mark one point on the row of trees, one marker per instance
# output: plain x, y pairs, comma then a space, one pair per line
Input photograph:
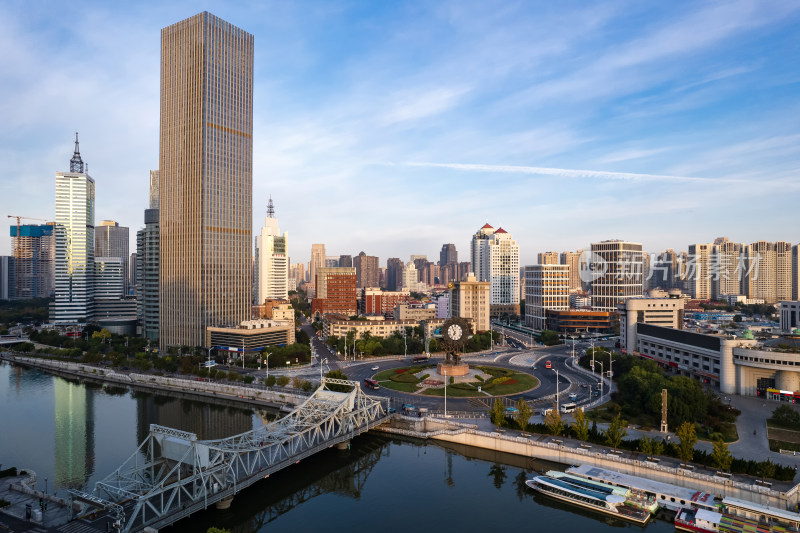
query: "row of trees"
396, 344
614, 437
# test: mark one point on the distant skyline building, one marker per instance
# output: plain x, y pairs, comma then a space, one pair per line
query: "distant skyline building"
345, 261
573, 260
297, 275
205, 178
317, 261
272, 260
617, 273
394, 273
147, 260
548, 258
74, 242
331, 261
154, 189
367, 274
113, 240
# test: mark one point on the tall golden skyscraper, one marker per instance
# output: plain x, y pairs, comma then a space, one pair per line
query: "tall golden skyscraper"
206, 178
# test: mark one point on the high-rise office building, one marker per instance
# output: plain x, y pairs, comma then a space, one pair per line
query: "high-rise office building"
205, 178
345, 260
331, 261
394, 274
272, 260
33, 272
317, 261
547, 258
495, 258
617, 274
109, 273
74, 236
546, 287
367, 274
112, 240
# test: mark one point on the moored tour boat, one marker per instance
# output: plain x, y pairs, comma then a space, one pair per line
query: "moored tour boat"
700, 520
604, 501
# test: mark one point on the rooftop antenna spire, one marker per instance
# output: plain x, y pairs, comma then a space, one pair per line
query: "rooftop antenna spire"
76, 163
270, 208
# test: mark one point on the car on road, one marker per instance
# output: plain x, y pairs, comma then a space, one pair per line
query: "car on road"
584, 386
511, 410
376, 367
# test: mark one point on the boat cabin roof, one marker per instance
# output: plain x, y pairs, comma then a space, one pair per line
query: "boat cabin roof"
696, 497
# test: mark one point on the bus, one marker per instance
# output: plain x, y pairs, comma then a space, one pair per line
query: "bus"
569, 407
372, 384
547, 365
419, 359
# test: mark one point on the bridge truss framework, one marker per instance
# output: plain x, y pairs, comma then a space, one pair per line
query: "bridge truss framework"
172, 474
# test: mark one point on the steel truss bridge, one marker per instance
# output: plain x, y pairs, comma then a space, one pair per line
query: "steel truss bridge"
173, 474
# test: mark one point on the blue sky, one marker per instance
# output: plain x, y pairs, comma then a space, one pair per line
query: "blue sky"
394, 127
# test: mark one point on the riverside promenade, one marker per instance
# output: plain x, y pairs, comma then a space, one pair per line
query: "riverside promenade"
784, 495
253, 395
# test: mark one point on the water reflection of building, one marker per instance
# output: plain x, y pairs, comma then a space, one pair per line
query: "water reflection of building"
74, 433
207, 421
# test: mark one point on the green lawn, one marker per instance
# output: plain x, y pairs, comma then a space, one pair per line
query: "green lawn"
452, 392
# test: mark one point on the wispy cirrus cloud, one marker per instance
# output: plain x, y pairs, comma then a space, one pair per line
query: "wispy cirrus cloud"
574, 173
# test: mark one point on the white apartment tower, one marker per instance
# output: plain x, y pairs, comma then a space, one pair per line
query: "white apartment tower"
74, 237
272, 260
699, 272
495, 258
727, 276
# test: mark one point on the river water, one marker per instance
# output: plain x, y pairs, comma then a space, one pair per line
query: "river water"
74, 434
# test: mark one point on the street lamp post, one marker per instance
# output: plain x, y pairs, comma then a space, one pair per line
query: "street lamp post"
322, 362
592, 355
557, 383
601, 378
610, 366
267, 363
445, 392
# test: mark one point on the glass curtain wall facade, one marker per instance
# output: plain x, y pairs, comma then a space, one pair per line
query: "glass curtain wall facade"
74, 235
205, 178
